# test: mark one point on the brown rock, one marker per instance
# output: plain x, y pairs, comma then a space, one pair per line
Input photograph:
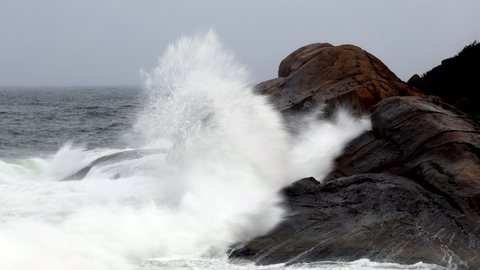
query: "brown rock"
336, 75
299, 57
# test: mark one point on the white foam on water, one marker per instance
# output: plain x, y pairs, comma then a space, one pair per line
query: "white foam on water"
218, 264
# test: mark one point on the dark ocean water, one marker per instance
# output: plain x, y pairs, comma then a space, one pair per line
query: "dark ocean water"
38, 121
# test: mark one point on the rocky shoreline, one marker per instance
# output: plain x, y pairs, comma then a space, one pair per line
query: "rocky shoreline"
406, 191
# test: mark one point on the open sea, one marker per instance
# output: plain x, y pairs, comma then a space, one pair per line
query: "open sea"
39, 120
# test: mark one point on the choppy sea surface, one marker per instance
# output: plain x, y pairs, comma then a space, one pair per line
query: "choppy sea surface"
39, 120
222, 155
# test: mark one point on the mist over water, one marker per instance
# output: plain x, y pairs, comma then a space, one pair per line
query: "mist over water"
225, 154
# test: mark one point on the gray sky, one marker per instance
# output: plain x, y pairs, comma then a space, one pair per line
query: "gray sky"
107, 42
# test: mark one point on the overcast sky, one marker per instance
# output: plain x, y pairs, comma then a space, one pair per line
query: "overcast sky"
108, 42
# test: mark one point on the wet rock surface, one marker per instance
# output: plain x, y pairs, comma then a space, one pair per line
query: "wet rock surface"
406, 191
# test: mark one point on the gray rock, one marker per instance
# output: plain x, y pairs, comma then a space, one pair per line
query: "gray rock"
377, 216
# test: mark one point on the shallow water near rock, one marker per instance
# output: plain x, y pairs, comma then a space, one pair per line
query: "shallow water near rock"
215, 264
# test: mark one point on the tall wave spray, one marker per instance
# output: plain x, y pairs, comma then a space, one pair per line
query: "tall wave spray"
225, 155
227, 146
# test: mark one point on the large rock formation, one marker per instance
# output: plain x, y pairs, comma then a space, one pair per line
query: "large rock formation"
407, 191
335, 75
